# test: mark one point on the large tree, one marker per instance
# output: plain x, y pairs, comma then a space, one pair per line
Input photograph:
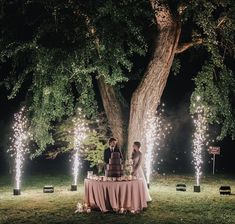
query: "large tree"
61, 50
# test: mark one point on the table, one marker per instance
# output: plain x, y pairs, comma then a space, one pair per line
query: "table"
115, 195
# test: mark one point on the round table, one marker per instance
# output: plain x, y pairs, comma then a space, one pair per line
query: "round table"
115, 195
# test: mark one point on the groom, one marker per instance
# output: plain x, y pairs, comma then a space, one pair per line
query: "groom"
112, 148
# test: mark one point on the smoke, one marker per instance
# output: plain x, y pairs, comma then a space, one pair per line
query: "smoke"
175, 153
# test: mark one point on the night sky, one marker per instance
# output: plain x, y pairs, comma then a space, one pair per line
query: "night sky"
57, 60
175, 156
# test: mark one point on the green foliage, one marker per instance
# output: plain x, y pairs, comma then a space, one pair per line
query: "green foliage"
57, 49
215, 88
52, 47
215, 83
175, 68
94, 147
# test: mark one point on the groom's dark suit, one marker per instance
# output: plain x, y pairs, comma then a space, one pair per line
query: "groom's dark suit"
108, 152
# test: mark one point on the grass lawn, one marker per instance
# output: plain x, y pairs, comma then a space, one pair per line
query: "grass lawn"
168, 206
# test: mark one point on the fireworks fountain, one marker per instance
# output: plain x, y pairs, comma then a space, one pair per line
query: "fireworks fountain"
150, 133
79, 135
156, 129
199, 140
18, 147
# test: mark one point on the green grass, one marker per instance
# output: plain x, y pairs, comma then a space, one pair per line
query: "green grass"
168, 206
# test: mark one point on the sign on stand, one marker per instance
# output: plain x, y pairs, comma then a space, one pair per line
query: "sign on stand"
214, 150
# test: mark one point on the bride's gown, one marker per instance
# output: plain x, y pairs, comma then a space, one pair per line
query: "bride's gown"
137, 168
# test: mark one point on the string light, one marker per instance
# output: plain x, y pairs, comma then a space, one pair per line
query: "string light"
79, 133
199, 137
156, 129
18, 147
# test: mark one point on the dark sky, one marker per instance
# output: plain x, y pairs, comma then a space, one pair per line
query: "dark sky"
178, 156
175, 156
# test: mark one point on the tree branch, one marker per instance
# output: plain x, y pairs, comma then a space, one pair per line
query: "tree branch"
114, 108
221, 21
185, 46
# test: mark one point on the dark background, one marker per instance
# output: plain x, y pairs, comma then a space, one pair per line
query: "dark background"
174, 157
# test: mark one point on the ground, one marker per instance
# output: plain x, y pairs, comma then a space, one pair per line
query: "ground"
167, 207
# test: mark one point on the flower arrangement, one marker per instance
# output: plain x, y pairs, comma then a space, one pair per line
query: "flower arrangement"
128, 168
82, 208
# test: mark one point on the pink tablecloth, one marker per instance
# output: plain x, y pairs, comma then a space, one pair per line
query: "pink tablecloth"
108, 196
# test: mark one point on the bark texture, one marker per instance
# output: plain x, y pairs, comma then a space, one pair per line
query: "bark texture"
146, 97
114, 111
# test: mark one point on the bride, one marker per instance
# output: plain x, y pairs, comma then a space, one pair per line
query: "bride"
137, 169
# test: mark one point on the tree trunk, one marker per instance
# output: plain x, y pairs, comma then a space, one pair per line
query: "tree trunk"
146, 97
114, 111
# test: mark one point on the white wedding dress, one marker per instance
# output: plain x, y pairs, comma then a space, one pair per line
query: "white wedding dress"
138, 170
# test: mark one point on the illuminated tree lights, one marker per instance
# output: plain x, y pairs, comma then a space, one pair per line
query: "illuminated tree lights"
156, 129
18, 147
199, 138
79, 134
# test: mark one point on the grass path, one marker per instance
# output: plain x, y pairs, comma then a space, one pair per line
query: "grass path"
168, 206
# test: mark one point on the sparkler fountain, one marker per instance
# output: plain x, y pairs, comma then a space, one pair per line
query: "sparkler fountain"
199, 140
18, 147
150, 134
79, 135
156, 129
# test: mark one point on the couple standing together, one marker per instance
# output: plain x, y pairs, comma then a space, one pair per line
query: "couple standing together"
136, 158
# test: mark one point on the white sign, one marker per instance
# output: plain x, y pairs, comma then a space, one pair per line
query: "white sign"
214, 150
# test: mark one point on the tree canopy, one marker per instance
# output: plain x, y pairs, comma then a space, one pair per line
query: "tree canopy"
58, 49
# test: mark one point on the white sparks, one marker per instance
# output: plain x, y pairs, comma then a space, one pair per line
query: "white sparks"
150, 142
199, 139
80, 133
156, 129
18, 144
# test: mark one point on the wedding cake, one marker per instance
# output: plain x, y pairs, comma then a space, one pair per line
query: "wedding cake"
114, 168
